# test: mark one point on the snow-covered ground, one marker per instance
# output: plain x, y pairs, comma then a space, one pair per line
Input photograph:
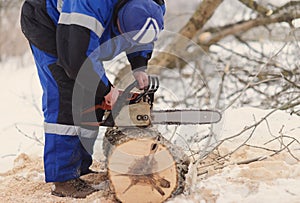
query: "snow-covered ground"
273, 179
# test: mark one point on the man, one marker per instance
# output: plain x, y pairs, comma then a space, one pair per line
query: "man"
69, 40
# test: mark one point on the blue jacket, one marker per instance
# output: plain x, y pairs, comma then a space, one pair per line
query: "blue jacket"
81, 32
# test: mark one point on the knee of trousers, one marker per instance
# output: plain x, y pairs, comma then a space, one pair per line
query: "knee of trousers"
60, 103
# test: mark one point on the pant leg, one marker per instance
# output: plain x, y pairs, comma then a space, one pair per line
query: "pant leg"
87, 138
64, 153
89, 133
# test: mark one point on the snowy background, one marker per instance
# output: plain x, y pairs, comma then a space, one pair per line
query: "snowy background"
263, 170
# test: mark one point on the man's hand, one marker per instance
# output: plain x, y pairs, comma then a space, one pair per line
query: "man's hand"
142, 79
112, 96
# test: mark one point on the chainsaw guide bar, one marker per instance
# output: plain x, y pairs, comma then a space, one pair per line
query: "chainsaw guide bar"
185, 117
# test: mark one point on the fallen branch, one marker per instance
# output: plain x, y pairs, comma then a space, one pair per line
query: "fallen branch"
33, 137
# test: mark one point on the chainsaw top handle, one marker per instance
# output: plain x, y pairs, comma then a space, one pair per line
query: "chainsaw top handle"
153, 85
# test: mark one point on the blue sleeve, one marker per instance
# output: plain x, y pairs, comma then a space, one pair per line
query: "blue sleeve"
98, 10
79, 29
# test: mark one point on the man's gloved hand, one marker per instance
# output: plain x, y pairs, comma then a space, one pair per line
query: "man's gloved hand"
142, 79
112, 96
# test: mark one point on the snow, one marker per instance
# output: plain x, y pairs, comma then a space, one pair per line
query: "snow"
274, 179
20, 93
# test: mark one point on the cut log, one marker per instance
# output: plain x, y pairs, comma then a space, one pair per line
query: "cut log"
143, 166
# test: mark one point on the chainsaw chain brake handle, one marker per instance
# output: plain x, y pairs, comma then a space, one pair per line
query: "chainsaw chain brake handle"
124, 98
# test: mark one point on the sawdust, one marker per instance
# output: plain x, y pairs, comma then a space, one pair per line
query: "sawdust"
25, 183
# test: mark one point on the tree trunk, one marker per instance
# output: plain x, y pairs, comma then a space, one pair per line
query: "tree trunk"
143, 166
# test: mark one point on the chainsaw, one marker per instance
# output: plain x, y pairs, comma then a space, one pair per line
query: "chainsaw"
134, 109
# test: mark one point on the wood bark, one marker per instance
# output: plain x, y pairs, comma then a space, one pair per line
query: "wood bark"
143, 166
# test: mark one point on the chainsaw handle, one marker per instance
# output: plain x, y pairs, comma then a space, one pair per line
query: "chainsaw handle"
121, 101
153, 84
123, 98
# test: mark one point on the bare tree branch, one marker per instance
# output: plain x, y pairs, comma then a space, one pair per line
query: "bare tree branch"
285, 13
202, 14
257, 7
